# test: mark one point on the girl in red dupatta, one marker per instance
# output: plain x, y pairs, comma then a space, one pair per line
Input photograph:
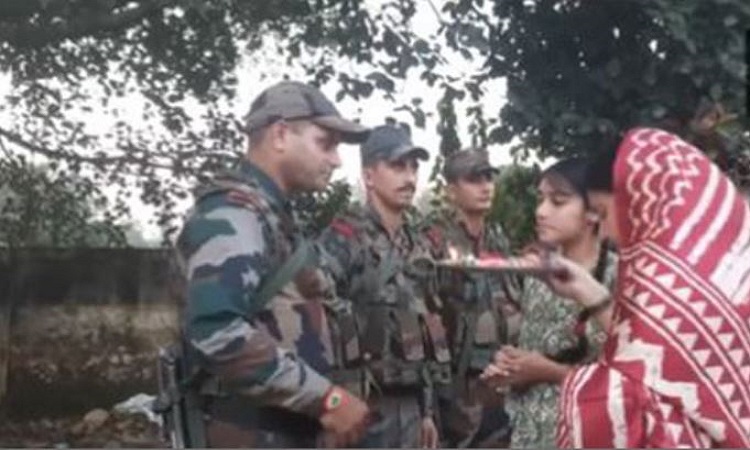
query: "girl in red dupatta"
675, 370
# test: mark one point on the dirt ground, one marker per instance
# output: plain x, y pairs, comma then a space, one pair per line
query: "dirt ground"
98, 428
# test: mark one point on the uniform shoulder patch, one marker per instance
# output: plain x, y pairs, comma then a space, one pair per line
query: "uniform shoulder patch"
244, 198
435, 235
343, 227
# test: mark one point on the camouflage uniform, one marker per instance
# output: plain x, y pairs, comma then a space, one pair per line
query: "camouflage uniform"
402, 341
268, 362
481, 315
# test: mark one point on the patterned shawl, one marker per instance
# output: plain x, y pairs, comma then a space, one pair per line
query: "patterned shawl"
675, 371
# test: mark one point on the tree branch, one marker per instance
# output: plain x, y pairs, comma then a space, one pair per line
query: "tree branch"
437, 12
16, 139
25, 35
5, 149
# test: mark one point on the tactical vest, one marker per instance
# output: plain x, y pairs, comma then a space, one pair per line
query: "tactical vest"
476, 326
290, 302
402, 342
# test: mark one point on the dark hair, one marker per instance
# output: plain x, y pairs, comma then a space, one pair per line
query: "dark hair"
575, 354
600, 176
569, 173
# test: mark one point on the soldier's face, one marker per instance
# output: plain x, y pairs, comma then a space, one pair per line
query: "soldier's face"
560, 214
311, 156
473, 193
394, 183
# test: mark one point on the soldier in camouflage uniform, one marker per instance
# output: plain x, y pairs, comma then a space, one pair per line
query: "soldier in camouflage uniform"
370, 252
267, 359
478, 307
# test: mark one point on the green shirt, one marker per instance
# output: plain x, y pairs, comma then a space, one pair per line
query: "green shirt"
548, 327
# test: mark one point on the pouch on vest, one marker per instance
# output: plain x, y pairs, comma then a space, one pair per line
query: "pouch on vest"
438, 341
409, 344
486, 329
349, 340
392, 373
489, 335
374, 328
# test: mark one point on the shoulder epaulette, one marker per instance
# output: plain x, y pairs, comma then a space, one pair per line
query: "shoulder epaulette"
245, 198
343, 227
236, 194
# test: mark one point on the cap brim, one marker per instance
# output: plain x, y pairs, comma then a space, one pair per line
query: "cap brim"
458, 173
485, 168
351, 132
418, 152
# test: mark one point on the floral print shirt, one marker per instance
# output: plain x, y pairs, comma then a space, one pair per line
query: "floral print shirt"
547, 327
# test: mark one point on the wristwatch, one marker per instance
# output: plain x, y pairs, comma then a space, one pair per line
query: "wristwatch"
334, 398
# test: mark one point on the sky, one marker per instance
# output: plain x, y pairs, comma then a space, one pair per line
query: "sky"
375, 109
371, 111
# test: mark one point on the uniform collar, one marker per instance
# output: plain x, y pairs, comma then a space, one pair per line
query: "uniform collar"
371, 214
250, 172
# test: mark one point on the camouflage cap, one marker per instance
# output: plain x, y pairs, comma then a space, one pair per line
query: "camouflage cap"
389, 142
292, 100
467, 162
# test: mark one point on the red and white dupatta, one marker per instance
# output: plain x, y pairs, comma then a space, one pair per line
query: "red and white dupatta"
675, 370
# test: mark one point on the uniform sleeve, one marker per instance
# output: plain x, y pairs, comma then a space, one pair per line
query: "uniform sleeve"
226, 256
340, 255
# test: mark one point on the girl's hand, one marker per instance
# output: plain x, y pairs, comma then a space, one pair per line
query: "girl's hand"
496, 374
527, 368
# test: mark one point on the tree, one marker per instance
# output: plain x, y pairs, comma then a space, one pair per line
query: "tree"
315, 211
577, 71
75, 64
515, 202
41, 207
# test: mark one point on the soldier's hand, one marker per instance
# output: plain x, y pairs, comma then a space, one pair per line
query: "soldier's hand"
429, 437
344, 417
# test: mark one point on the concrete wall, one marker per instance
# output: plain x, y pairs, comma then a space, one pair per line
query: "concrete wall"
79, 328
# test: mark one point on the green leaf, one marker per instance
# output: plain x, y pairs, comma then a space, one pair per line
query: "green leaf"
586, 127
659, 112
421, 46
731, 20
382, 81
716, 91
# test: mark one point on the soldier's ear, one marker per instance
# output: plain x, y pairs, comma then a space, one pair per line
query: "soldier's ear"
367, 176
278, 135
450, 192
